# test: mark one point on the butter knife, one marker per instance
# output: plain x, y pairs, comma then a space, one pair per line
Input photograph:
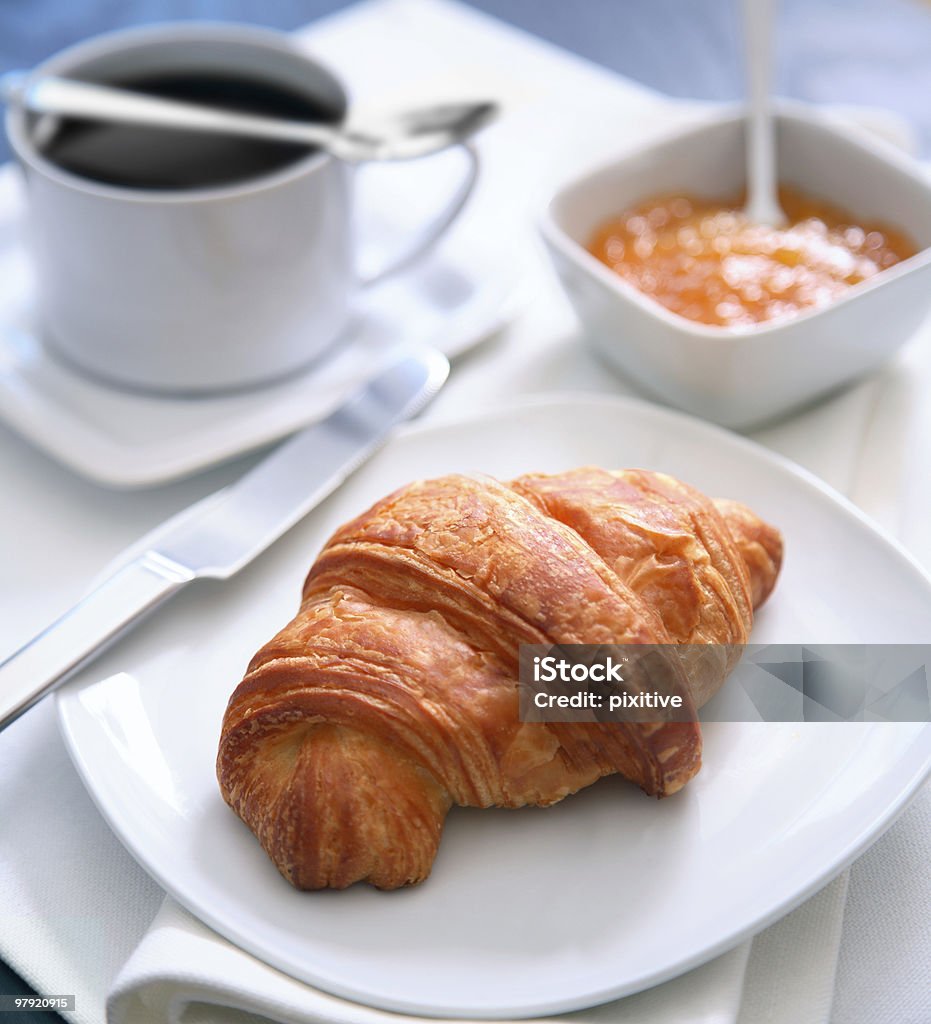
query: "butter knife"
220, 534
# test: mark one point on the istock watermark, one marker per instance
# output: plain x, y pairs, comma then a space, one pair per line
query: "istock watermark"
761, 682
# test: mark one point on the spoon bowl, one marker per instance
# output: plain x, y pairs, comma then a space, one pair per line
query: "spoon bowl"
413, 133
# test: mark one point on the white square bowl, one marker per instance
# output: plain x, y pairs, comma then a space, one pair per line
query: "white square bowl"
743, 377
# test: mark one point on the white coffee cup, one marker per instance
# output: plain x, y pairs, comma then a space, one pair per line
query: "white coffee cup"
202, 289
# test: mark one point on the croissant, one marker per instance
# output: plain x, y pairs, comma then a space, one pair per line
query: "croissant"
392, 695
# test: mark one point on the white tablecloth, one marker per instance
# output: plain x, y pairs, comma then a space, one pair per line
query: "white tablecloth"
73, 905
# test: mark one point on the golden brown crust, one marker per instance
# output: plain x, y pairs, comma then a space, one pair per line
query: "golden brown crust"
760, 547
393, 692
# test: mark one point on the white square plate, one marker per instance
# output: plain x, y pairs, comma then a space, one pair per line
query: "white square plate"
539, 910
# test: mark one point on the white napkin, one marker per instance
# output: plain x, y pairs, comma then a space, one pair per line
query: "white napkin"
887, 927
183, 973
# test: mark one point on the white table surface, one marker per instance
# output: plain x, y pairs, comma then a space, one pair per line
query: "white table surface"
872, 442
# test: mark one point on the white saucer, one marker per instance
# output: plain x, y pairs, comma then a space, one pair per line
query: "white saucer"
462, 294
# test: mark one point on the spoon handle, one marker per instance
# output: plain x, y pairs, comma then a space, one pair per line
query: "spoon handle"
73, 98
762, 197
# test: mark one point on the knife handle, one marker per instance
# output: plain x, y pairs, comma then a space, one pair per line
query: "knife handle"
83, 632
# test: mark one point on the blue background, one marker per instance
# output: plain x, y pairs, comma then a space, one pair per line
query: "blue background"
852, 51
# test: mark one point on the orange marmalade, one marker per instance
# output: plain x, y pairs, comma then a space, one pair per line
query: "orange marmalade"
706, 261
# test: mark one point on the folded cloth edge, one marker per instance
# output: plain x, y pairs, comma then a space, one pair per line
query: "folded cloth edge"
739, 987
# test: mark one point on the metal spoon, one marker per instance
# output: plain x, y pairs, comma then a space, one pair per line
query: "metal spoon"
402, 136
762, 204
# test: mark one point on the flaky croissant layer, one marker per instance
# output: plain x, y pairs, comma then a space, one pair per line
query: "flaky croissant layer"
392, 694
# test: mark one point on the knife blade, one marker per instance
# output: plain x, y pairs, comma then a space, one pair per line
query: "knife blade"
219, 535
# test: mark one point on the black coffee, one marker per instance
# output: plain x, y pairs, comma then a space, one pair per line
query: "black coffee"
157, 158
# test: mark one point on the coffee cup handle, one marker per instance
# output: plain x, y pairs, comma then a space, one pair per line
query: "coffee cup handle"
435, 230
